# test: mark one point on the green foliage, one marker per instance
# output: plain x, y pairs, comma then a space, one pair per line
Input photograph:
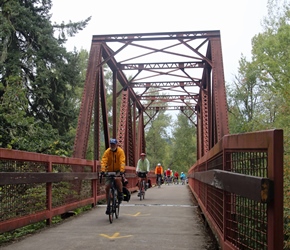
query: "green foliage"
158, 139
269, 73
249, 105
8, 237
184, 144
21, 232
39, 79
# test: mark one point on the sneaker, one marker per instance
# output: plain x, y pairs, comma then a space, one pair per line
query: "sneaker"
138, 194
108, 211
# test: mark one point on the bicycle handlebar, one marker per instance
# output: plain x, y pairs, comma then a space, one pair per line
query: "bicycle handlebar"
112, 175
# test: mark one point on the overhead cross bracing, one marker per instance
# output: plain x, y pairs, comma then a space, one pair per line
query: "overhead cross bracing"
157, 71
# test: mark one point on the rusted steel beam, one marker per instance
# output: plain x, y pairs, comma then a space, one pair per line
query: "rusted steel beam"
167, 65
123, 120
97, 124
104, 109
86, 109
141, 146
219, 90
164, 84
130, 138
205, 114
107, 53
169, 97
17, 155
259, 189
156, 36
276, 173
183, 107
8, 178
15, 223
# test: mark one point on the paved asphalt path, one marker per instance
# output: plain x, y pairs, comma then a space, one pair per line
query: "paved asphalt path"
168, 218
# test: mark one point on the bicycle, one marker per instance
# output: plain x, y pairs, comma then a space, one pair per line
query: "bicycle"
182, 181
142, 188
176, 181
159, 180
113, 202
168, 180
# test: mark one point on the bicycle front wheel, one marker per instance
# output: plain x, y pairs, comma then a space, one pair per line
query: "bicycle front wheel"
143, 189
116, 205
110, 204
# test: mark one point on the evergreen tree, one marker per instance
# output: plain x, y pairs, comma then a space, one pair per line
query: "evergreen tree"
38, 77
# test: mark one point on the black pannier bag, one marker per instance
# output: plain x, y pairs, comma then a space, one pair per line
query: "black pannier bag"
127, 194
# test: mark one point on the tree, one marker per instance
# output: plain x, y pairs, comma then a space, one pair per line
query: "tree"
184, 144
38, 76
158, 139
271, 64
249, 105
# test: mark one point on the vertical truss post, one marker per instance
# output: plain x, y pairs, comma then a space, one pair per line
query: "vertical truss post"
97, 121
104, 110
134, 139
130, 138
141, 135
114, 116
219, 91
85, 116
123, 126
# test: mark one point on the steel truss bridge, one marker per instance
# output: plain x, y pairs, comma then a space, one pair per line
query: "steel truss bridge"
236, 179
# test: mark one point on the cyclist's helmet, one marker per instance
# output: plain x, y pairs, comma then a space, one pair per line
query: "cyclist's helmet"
182, 172
113, 141
158, 164
143, 154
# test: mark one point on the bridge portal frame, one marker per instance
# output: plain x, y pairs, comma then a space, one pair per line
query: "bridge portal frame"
208, 104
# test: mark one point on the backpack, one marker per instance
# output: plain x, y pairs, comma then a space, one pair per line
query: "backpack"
126, 194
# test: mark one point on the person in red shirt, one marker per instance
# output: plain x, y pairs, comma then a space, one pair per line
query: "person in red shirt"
168, 175
176, 176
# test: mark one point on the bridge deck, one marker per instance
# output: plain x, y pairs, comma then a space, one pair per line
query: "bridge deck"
168, 218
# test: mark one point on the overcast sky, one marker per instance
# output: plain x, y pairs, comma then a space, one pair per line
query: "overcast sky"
237, 20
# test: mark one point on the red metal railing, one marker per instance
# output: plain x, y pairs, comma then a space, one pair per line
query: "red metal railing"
238, 185
36, 187
239, 188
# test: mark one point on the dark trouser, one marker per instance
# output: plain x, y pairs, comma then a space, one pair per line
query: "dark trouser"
158, 175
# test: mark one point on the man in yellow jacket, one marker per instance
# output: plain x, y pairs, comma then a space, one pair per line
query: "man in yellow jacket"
113, 160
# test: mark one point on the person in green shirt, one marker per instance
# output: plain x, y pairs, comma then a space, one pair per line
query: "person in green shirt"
144, 166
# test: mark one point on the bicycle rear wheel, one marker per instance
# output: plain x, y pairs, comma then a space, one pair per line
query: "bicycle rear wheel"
141, 190
111, 205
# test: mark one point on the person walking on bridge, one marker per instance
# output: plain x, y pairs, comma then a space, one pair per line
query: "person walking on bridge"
114, 160
144, 166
